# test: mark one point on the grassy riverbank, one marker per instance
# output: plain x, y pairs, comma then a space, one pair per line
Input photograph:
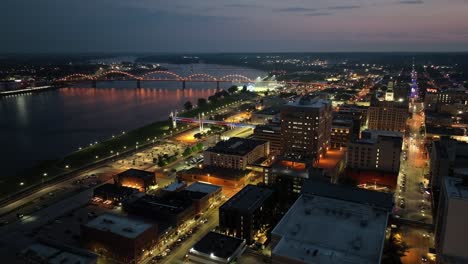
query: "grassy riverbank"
140, 137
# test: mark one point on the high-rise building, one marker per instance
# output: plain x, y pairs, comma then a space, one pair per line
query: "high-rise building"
376, 150
306, 128
387, 115
342, 132
248, 212
451, 234
447, 158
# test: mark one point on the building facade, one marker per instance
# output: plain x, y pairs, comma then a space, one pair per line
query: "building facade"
236, 153
248, 212
451, 234
387, 115
376, 150
270, 133
120, 238
306, 128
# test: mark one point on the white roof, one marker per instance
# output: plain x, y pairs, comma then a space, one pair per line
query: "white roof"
120, 225
324, 230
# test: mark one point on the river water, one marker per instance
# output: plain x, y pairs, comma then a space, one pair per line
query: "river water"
50, 124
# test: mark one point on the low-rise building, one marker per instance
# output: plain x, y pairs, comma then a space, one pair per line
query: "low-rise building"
168, 209
329, 224
114, 192
376, 150
134, 178
54, 253
215, 248
120, 238
247, 213
215, 175
266, 115
236, 153
451, 234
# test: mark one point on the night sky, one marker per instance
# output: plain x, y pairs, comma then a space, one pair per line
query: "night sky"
228, 25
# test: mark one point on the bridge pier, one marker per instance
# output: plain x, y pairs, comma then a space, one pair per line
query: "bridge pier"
183, 85
217, 86
94, 83
138, 83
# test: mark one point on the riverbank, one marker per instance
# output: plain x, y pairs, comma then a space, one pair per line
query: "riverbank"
27, 90
117, 145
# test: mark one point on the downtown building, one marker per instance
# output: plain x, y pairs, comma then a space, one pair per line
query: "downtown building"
271, 133
119, 238
448, 158
247, 213
451, 234
376, 150
236, 153
387, 115
332, 224
306, 128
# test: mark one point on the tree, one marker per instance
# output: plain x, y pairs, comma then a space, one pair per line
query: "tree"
198, 136
202, 102
187, 151
188, 105
233, 89
199, 146
244, 88
213, 98
394, 249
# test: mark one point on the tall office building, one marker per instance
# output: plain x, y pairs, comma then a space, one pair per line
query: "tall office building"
306, 128
451, 234
387, 115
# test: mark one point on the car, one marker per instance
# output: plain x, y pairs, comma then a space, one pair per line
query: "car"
423, 258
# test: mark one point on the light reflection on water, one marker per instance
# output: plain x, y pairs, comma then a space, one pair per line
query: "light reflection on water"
47, 125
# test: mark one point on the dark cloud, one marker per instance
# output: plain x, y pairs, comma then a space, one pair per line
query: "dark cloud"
344, 7
411, 2
319, 14
295, 9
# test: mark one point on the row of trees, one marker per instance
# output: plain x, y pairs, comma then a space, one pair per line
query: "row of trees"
190, 150
201, 102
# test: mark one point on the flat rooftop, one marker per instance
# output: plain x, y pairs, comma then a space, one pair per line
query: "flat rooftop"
120, 225
175, 186
236, 146
369, 136
349, 194
325, 230
57, 255
115, 189
219, 245
456, 188
248, 199
135, 173
203, 187
311, 102
221, 173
